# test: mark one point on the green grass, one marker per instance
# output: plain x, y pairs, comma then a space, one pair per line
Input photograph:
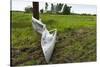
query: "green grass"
62, 22
76, 39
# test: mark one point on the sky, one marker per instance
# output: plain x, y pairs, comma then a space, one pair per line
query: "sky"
20, 5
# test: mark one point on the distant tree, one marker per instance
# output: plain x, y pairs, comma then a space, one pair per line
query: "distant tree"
52, 7
41, 11
67, 9
28, 9
46, 6
59, 6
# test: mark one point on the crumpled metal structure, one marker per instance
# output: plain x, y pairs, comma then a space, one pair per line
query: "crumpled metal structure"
48, 38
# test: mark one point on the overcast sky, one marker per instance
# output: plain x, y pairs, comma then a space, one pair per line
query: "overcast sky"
76, 8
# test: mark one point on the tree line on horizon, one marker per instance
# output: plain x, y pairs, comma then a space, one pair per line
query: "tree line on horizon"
55, 9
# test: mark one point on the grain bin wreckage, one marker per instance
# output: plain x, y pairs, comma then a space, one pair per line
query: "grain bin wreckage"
48, 38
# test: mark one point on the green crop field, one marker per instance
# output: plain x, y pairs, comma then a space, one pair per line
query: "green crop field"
76, 39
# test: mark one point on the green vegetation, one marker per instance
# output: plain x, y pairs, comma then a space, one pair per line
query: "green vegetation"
76, 39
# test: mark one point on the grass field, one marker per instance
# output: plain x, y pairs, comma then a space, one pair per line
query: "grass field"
76, 39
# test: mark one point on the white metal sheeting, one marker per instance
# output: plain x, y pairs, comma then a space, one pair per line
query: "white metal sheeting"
48, 38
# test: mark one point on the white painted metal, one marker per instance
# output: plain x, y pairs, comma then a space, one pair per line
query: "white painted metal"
48, 38
38, 25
